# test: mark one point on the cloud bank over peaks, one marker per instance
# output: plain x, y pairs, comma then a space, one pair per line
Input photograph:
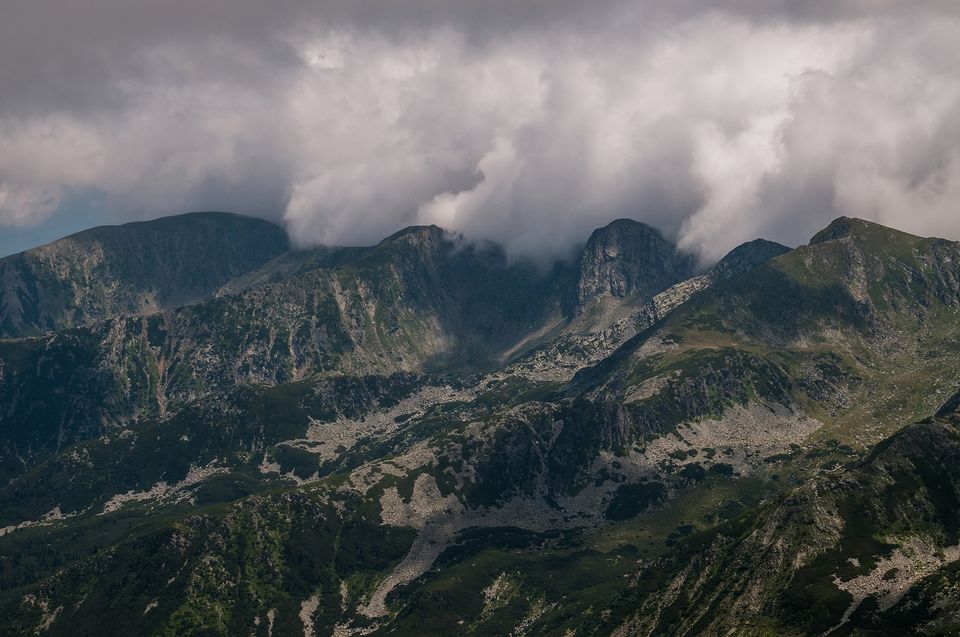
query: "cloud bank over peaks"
530, 125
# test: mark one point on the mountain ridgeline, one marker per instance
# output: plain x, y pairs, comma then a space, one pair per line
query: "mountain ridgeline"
206, 432
136, 268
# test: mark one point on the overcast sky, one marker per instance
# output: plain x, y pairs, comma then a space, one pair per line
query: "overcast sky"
527, 122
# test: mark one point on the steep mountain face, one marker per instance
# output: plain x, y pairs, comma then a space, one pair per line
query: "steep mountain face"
627, 258
863, 324
416, 301
136, 268
853, 273
423, 437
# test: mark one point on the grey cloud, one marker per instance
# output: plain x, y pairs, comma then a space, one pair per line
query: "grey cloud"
529, 123
876, 137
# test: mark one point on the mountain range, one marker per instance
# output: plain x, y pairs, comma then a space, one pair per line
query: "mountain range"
206, 431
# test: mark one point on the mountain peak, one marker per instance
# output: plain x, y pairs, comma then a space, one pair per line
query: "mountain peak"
430, 232
839, 228
421, 243
626, 258
187, 221
623, 227
853, 228
746, 257
138, 267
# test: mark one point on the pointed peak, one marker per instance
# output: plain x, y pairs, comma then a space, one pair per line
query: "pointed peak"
628, 258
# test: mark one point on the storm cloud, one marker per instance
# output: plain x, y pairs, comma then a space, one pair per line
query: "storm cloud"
528, 123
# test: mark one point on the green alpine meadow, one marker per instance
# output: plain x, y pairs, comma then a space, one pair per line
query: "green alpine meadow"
207, 430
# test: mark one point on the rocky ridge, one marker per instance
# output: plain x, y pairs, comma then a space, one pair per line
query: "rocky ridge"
137, 268
683, 461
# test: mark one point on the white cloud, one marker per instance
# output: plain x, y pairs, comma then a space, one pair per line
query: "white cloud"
715, 126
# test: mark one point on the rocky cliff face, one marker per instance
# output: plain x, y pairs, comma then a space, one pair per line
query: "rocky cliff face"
627, 258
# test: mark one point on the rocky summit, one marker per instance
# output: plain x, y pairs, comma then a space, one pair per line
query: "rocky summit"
204, 431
